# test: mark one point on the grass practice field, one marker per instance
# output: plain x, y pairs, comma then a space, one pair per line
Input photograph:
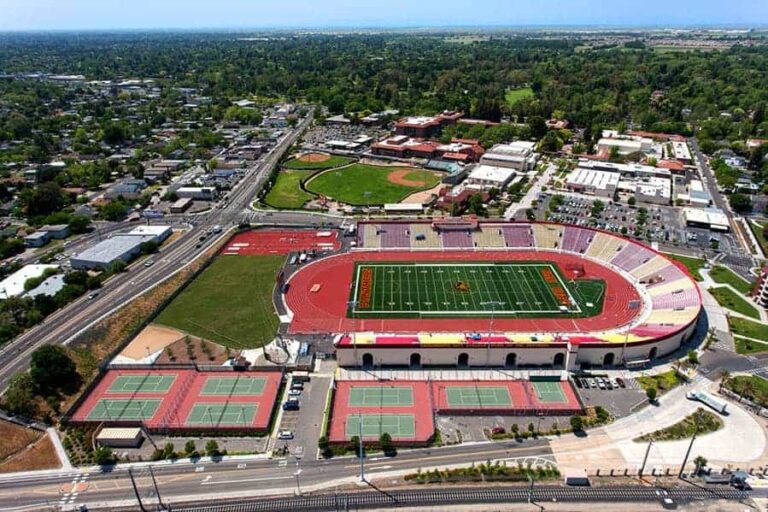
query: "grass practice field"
232, 386
380, 397
287, 191
316, 165
127, 409
362, 184
373, 425
478, 289
225, 414
512, 96
229, 303
147, 383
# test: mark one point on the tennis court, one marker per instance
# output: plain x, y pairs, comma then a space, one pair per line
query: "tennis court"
123, 409
142, 383
477, 396
234, 386
549, 392
222, 414
373, 425
380, 397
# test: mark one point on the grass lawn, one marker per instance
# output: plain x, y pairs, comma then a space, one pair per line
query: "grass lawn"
757, 229
748, 328
700, 421
229, 303
724, 275
731, 300
663, 382
692, 264
350, 184
512, 96
333, 161
745, 346
751, 387
287, 192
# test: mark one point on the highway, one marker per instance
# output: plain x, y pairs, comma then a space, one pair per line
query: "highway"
64, 324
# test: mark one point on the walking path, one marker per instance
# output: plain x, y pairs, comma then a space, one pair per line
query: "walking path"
60, 451
533, 192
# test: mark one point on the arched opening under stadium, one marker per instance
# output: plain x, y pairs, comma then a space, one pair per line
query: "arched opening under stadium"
511, 360
415, 360
608, 359
367, 361
463, 361
559, 359
653, 353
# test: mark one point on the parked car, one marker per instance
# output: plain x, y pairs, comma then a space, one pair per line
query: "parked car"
285, 434
294, 393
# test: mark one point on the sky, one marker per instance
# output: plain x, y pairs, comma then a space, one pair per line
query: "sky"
197, 14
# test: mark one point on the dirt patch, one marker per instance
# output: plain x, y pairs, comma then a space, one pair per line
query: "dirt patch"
405, 177
151, 339
314, 157
41, 455
191, 349
15, 438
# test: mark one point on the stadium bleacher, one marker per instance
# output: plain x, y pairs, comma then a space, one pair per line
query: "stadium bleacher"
518, 236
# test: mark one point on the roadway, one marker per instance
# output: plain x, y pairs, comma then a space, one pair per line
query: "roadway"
63, 325
185, 481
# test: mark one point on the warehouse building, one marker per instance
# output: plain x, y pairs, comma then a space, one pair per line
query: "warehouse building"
486, 177
118, 248
13, 285
120, 437
710, 218
593, 182
518, 155
160, 233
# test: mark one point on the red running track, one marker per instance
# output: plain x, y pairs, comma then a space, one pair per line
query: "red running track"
262, 242
325, 309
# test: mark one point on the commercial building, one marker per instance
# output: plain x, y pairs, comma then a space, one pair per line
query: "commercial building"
518, 155
682, 152
710, 218
116, 437
118, 248
695, 194
13, 285
37, 239
181, 205
198, 193
158, 233
624, 144
654, 190
486, 177
426, 126
56, 231
593, 182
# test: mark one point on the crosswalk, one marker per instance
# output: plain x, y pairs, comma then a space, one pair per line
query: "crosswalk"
72, 490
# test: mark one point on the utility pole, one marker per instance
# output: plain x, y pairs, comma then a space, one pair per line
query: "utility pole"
688, 452
136, 491
362, 451
645, 459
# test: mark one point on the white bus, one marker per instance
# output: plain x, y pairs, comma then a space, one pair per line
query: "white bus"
708, 400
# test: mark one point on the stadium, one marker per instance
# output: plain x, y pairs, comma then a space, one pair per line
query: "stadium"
462, 293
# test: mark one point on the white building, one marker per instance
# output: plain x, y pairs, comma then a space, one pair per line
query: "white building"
695, 194
198, 193
625, 144
593, 182
710, 218
159, 233
518, 155
13, 285
654, 190
682, 152
486, 177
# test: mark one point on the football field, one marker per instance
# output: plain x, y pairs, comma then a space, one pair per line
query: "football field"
470, 289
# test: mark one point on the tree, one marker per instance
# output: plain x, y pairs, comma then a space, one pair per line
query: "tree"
212, 448
631, 201
740, 203
693, 357
19, 397
44, 199
189, 447
52, 369
79, 224
651, 393
113, 211
700, 463
538, 126
725, 376
577, 423
385, 441
103, 456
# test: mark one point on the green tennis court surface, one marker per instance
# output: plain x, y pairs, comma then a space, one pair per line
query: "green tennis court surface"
240, 385
373, 425
549, 392
475, 396
144, 383
124, 410
228, 414
484, 289
380, 396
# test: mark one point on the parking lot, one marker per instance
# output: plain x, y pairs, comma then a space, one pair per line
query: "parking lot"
618, 395
317, 136
650, 223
